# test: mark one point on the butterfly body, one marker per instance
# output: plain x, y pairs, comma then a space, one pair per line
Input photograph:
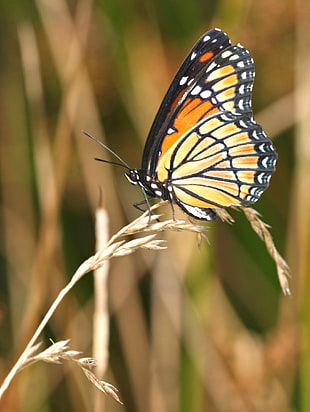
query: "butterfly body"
204, 150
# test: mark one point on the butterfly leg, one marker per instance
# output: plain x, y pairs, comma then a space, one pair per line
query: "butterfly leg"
172, 208
143, 202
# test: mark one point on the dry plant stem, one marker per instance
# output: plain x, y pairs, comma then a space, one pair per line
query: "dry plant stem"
101, 315
18, 365
262, 231
101, 318
82, 270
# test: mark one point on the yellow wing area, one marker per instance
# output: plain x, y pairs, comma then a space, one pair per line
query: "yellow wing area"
224, 160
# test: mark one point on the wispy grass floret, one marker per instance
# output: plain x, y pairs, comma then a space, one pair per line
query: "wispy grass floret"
60, 351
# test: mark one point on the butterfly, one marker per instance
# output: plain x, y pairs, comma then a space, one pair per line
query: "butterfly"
204, 150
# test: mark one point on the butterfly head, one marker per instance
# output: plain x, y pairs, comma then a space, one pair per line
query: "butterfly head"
133, 176
140, 178
151, 186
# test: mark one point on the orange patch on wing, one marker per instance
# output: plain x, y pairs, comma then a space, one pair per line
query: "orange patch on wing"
242, 150
222, 174
245, 162
190, 113
207, 56
247, 176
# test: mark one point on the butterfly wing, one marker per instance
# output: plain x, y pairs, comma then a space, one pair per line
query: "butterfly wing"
223, 82
225, 160
204, 147
208, 46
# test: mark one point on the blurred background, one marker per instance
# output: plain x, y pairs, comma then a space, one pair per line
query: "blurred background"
191, 329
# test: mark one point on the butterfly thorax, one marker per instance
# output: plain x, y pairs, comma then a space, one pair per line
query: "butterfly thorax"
149, 184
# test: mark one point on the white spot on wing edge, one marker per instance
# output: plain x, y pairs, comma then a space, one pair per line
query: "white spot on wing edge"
183, 80
241, 104
243, 124
206, 94
262, 148
198, 212
171, 130
266, 162
226, 54
242, 89
214, 100
193, 55
196, 90
211, 67
190, 81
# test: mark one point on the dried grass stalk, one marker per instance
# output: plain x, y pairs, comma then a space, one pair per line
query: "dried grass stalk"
261, 228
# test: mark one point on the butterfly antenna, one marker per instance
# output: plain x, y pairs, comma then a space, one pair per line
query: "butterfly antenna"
123, 163
110, 162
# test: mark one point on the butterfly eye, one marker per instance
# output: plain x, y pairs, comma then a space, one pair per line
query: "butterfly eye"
133, 176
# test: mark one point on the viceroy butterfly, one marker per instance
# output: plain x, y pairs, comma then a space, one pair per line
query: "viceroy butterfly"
204, 150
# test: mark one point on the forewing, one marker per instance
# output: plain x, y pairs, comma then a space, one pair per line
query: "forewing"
225, 160
206, 48
224, 83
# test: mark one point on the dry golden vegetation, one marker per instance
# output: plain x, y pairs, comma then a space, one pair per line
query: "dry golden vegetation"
195, 319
